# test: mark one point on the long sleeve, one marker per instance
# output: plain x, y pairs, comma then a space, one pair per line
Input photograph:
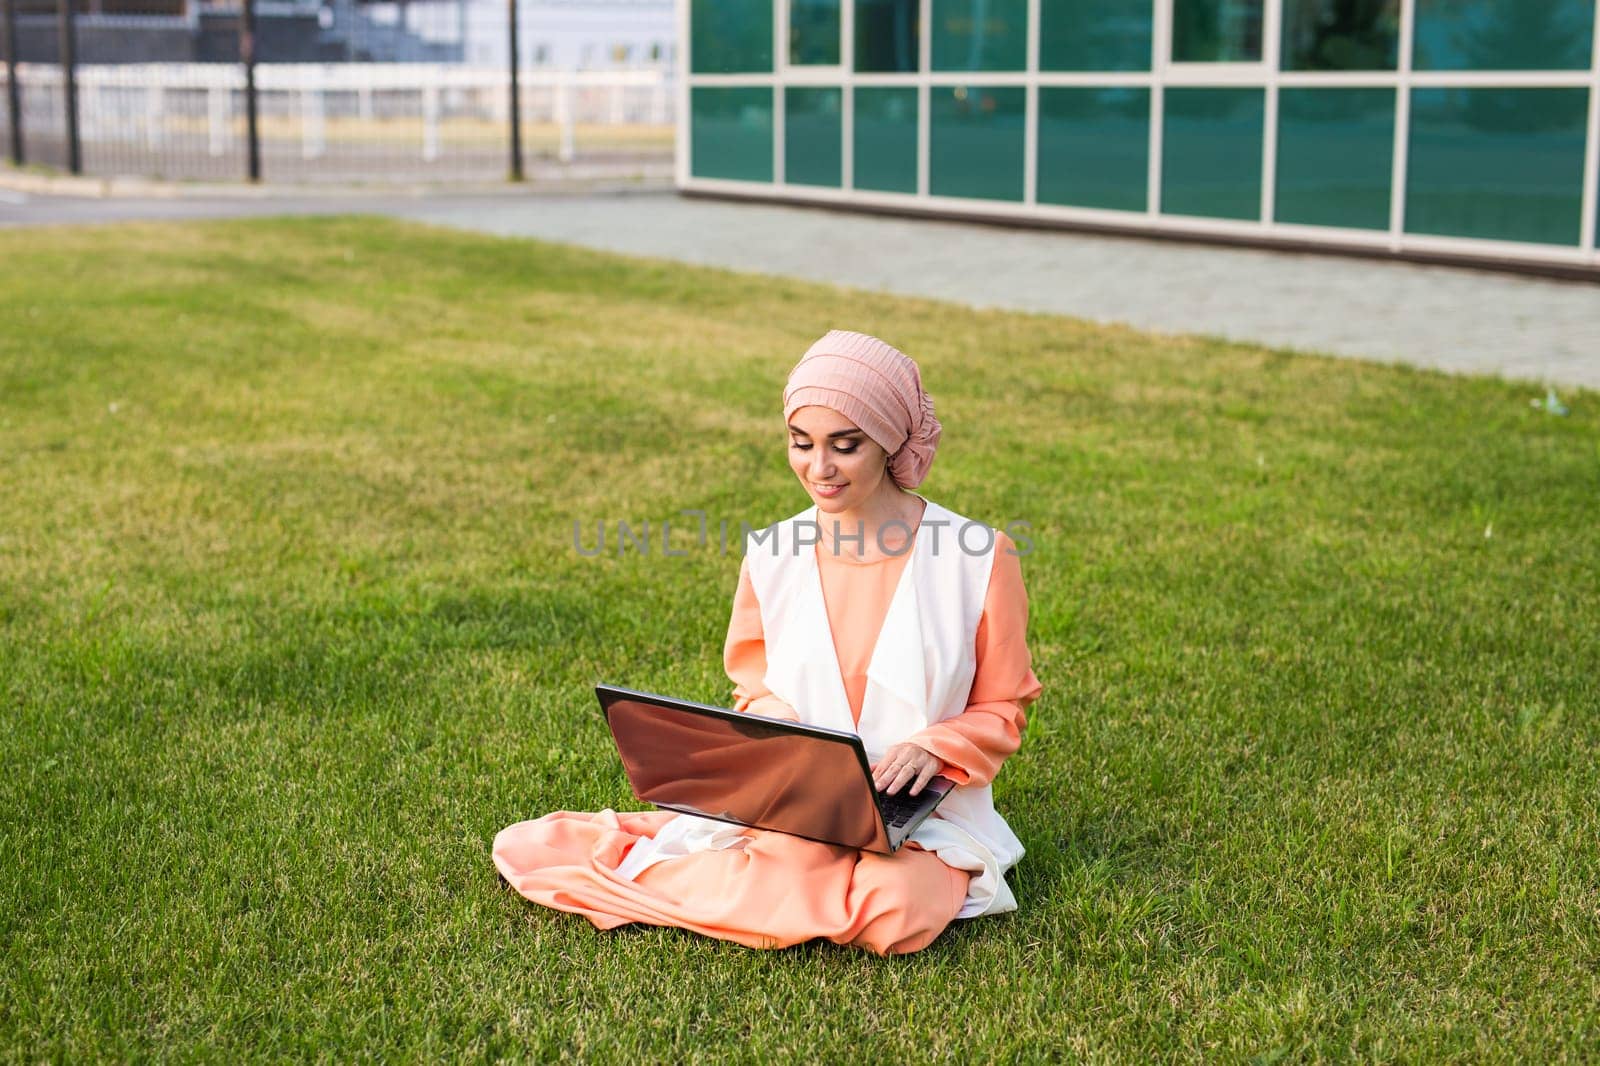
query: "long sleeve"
975, 742
744, 655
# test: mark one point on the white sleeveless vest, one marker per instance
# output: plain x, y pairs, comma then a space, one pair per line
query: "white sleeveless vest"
920, 673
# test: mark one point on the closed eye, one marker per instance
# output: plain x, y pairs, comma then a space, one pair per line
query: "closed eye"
844, 447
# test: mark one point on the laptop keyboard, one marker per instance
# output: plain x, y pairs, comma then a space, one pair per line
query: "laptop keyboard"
899, 807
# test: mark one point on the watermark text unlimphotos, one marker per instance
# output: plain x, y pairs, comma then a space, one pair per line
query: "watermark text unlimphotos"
892, 538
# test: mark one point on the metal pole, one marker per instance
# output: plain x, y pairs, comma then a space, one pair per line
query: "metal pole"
69, 81
247, 52
516, 103
13, 90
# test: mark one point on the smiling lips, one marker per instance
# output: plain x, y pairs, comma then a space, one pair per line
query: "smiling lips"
827, 490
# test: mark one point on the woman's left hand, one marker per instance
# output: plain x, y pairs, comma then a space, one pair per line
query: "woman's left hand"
903, 763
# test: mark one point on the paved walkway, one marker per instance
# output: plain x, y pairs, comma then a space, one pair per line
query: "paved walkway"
1458, 320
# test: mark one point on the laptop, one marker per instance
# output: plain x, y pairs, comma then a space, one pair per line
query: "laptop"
767, 773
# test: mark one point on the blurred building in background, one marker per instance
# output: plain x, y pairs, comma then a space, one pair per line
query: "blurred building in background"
565, 34
347, 90
1458, 128
580, 34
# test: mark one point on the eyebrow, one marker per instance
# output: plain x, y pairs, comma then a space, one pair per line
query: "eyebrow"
835, 433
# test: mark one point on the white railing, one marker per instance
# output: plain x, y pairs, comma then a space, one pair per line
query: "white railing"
147, 104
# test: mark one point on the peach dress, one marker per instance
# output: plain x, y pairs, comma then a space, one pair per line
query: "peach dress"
778, 890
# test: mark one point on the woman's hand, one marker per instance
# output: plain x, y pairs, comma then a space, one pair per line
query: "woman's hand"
903, 763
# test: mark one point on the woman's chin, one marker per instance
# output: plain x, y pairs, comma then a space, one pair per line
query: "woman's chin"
828, 504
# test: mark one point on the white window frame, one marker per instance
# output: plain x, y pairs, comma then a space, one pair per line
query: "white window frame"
810, 76
824, 74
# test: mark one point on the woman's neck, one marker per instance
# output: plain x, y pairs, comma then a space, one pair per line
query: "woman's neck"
882, 525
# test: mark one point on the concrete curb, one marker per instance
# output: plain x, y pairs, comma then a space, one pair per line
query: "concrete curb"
133, 188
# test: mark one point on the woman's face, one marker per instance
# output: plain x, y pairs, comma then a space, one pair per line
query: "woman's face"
840, 466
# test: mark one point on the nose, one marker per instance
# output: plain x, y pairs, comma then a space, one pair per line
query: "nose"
821, 465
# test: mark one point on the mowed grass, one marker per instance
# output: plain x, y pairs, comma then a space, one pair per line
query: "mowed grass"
292, 622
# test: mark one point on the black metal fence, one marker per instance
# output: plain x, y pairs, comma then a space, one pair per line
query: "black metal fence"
319, 90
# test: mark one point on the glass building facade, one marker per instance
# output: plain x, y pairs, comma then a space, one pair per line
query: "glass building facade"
1463, 128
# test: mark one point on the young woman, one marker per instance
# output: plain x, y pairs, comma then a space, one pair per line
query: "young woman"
872, 610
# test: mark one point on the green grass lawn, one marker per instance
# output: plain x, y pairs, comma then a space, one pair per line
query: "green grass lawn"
291, 623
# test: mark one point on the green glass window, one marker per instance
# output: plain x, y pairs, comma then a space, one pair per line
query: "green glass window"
813, 135
1216, 31
886, 35
1503, 34
885, 157
730, 36
1211, 152
731, 133
1341, 34
1094, 147
1095, 34
1335, 157
976, 147
1503, 164
814, 32
980, 35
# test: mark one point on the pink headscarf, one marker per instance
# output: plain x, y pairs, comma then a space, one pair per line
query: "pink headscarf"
879, 389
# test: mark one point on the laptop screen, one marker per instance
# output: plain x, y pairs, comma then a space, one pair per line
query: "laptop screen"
746, 769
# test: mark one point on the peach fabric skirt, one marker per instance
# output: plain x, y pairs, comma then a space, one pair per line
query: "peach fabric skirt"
775, 891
